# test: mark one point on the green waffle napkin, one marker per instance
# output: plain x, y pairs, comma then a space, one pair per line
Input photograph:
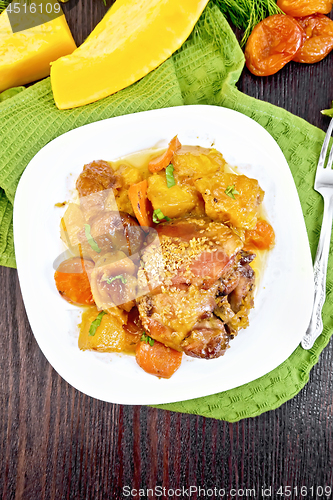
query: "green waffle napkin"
203, 71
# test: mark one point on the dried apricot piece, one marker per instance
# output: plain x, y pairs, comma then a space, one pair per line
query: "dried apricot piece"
262, 236
72, 281
157, 359
300, 8
272, 44
319, 39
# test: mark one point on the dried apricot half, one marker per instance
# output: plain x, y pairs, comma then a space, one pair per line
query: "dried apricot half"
72, 281
157, 359
272, 44
319, 39
301, 8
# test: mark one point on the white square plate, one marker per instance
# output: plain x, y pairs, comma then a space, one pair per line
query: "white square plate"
283, 302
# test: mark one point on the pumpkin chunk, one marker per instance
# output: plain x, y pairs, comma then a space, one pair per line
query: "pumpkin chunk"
231, 199
110, 335
25, 56
192, 163
174, 202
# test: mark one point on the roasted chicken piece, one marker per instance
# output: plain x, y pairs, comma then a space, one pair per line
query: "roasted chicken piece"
208, 339
170, 316
97, 218
111, 231
234, 297
113, 281
117, 231
244, 286
197, 250
97, 185
201, 259
95, 177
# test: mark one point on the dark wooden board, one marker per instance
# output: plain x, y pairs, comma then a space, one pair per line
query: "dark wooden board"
56, 443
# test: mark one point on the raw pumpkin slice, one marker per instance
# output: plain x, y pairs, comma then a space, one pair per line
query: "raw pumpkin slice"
133, 38
25, 56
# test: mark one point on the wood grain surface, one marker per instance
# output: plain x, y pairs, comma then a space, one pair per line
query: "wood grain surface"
57, 443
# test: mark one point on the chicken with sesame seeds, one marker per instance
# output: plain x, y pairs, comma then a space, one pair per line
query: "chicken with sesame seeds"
198, 256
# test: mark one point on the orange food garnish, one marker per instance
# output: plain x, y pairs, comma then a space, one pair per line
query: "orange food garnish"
142, 207
162, 161
157, 359
72, 281
261, 237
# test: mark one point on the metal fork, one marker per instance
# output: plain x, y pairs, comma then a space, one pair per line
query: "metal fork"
323, 185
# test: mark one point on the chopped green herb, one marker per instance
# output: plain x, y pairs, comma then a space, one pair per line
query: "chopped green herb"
95, 324
90, 239
158, 216
328, 112
169, 175
231, 191
147, 339
119, 277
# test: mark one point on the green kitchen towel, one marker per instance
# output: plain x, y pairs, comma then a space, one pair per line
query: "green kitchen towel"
203, 71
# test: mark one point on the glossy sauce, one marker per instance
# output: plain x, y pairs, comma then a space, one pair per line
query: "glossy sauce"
113, 335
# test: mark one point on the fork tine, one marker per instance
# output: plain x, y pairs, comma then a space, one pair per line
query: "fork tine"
323, 153
330, 158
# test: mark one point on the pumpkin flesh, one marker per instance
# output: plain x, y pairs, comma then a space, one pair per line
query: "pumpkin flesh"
132, 39
25, 56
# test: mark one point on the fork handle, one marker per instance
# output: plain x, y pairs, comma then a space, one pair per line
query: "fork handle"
320, 270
